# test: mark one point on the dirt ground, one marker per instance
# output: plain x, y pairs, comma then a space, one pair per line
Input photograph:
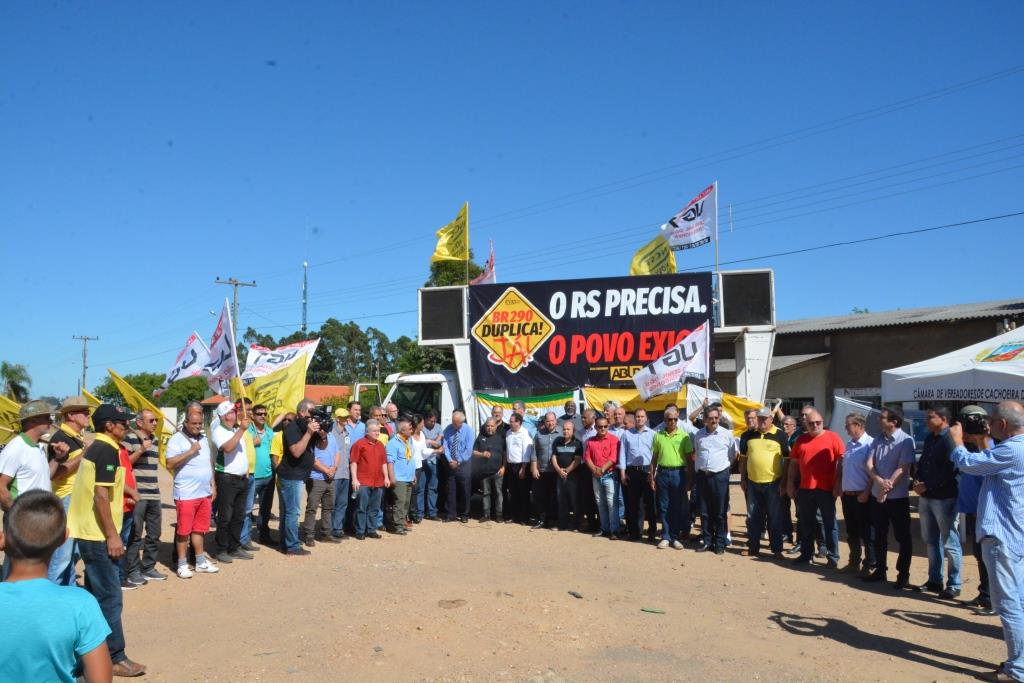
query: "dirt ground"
491, 602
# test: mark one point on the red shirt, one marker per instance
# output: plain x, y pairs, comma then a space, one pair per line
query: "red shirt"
369, 457
600, 451
817, 457
129, 477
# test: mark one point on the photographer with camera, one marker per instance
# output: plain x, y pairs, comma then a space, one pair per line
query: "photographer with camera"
299, 439
974, 420
1001, 521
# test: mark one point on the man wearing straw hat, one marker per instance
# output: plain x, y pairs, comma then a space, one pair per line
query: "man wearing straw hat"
74, 414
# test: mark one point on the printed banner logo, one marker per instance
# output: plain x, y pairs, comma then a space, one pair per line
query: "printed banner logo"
512, 330
1001, 354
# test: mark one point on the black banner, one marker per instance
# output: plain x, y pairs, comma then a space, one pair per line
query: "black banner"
568, 333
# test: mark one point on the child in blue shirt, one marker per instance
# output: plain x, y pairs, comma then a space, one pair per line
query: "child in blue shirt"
49, 632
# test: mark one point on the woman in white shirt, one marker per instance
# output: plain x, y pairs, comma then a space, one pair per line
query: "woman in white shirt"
419, 449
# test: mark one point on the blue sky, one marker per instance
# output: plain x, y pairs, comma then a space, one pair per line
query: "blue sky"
147, 150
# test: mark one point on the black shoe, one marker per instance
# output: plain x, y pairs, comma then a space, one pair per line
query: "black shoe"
800, 561
298, 552
901, 582
613, 537
373, 534
309, 542
539, 525
417, 520
250, 547
832, 564
399, 532
223, 558
265, 539
127, 585
874, 577
240, 554
430, 518
950, 594
929, 587
360, 537
719, 551
331, 539
338, 537
464, 520
795, 550
448, 519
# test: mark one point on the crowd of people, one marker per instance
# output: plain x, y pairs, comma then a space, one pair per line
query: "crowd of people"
607, 473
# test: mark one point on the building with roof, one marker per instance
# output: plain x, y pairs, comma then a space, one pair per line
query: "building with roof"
815, 359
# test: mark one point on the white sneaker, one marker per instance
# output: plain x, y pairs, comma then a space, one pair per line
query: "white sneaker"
663, 544
206, 567
728, 537
677, 545
184, 572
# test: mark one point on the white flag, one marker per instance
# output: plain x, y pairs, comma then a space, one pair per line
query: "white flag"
263, 361
190, 362
223, 363
686, 360
488, 277
694, 225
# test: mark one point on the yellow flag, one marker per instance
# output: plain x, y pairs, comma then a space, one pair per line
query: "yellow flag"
93, 401
654, 258
453, 239
280, 391
10, 419
138, 403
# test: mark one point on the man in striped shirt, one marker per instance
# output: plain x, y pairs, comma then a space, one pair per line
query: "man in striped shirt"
1001, 522
142, 445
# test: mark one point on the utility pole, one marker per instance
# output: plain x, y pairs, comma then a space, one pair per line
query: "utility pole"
235, 284
85, 339
305, 290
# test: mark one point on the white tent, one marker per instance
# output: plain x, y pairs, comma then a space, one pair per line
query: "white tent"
989, 371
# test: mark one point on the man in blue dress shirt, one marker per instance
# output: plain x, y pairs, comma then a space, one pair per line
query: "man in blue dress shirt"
1001, 522
458, 451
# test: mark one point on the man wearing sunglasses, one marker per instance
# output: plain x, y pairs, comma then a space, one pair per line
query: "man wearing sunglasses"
145, 535
813, 458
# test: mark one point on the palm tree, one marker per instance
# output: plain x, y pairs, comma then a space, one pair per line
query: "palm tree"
16, 381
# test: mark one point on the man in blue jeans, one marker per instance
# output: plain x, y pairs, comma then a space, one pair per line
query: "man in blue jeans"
938, 490
261, 488
369, 468
299, 439
1000, 503
762, 450
427, 476
94, 520
670, 472
342, 478
814, 457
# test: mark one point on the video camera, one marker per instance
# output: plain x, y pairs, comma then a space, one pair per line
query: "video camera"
322, 415
974, 420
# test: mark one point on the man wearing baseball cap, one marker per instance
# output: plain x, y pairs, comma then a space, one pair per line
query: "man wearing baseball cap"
232, 480
74, 414
762, 450
95, 519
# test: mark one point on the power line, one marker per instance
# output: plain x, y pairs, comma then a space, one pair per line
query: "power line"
85, 339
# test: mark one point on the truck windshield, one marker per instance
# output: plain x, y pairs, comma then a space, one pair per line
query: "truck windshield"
417, 398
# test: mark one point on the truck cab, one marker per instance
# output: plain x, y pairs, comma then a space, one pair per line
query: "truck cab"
418, 393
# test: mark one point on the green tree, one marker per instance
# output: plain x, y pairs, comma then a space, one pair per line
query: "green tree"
410, 357
177, 395
449, 273
17, 381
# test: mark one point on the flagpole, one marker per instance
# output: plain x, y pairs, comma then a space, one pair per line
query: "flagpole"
467, 244
234, 356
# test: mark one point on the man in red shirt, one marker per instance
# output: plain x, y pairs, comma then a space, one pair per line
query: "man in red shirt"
816, 453
601, 456
369, 463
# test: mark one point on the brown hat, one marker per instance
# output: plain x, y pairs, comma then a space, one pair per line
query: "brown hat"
35, 409
74, 404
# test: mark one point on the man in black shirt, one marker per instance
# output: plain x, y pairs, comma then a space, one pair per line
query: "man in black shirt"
292, 472
937, 487
489, 468
568, 454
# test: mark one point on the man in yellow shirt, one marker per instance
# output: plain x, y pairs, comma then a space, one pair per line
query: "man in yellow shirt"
762, 450
94, 520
